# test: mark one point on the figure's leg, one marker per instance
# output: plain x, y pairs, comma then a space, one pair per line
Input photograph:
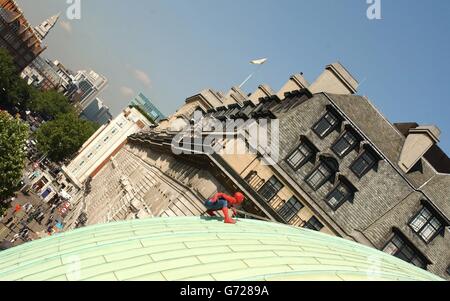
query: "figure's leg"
211, 213
228, 219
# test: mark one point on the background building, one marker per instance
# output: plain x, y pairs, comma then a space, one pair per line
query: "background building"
89, 85
104, 144
344, 169
145, 104
17, 36
45, 27
97, 112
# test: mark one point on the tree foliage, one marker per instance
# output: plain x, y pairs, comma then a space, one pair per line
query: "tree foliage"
63, 137
50, 104
14, 91
13, 136
8, 75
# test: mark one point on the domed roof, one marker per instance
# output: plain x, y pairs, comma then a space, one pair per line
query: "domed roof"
193, 248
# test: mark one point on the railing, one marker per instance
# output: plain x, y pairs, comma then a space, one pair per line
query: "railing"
297, 221
255, 181
277, 203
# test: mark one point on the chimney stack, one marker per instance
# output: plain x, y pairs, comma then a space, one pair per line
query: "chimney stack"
418, 142
336, 80
296, 82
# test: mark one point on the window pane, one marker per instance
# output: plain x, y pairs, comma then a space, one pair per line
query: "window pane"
313, 224
398, 248
363, 164
300, 156
338, 196
325, 124
418, 223
428, 232
319, 176
290, 209
270, 188
391, 249
344, 144
426, 225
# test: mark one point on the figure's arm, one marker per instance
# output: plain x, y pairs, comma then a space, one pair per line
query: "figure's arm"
234, 211
216, 197
224, 196
229, 199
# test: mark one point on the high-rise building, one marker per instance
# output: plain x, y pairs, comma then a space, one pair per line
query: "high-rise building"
17, 36
50, 79
46, 75
341, 168
89, 85
145, 104
97, 112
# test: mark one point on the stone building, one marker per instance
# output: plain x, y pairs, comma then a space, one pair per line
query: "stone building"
17, 36
343, 169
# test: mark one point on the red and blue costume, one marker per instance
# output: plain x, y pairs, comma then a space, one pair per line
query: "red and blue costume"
222, 201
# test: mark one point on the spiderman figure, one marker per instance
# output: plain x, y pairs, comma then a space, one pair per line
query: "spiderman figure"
222, 201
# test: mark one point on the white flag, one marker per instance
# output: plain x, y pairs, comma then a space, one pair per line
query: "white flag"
259, 62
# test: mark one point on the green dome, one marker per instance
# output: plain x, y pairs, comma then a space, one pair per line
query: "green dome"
195, 248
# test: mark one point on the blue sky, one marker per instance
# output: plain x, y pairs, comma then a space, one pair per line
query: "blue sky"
171, 49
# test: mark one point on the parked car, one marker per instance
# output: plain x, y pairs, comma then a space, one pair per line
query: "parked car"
24, 234
27, 207
40, 217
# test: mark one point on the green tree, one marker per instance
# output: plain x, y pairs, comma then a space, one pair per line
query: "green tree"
13, 136
8, 74
14, 91
21, 94
50, 104
62, 138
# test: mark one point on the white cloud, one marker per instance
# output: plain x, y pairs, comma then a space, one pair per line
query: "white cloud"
127, 92
142, 77
66, 26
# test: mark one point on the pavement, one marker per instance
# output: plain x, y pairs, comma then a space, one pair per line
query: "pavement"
14, 222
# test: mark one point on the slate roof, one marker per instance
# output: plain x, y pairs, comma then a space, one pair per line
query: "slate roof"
192, 248
438, 189
376, 127
390, 140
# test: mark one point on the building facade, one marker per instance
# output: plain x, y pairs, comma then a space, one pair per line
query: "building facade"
342, 168
17, 36
145, 104
88, 86
103, 144
97, 112
47, 76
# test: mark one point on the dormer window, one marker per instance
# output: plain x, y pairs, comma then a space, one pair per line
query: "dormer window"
301, 155
345, 144
400, 247
426, 225
339, 195
313, 224
326, 124
365, 162
322, 173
